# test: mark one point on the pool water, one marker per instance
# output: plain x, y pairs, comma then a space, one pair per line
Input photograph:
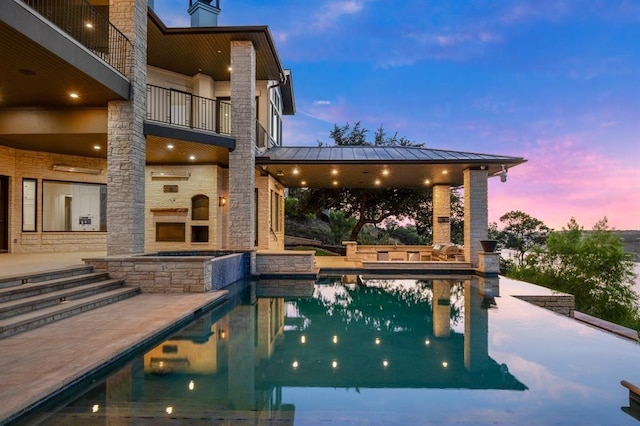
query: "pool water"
371, 350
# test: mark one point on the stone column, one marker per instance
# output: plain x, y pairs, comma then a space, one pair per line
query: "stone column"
476, 213
441, 308
126, 147
441, 209
476, 329
242, 159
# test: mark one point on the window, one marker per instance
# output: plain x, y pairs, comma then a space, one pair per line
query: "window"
200, 207
170, 232
72, 207
275, 117
276, 211
29, 197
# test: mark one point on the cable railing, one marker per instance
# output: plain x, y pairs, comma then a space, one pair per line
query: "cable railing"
86, 24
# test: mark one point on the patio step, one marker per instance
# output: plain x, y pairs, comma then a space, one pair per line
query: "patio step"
16, 280
38, 299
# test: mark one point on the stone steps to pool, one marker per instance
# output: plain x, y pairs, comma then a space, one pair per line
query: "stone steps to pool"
32, 301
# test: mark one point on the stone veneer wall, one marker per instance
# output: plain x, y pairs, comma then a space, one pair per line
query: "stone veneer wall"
563, 304
203, 180
285, 262
19, 164
176, 274
268, 235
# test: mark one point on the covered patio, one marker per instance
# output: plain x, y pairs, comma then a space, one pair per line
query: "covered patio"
401, 167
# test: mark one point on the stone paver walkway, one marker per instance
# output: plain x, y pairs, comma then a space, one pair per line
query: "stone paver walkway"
36, 363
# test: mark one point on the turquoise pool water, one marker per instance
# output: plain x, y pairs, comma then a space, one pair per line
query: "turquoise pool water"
370, 350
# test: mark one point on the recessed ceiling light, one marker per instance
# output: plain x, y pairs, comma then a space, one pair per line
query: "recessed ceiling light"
295, 171
230, 69
427, 182
170, 146
335, 182
303, 183
444, 172
88, 25
96, 147
385, 172
74, 95
192, 157
334, 172
377, 182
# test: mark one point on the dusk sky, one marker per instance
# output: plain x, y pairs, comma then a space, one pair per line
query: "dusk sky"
556, 82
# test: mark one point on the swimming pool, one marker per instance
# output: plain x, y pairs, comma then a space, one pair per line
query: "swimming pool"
372, 350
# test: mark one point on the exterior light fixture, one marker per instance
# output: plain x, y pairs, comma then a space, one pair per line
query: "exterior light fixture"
223, 334
73, 169
503, 174
95, 408
222, 201
170, 146
74, 95
96, 147
230, 69
192, 157
169, 410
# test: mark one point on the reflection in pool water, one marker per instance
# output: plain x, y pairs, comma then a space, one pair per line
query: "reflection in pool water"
372, 350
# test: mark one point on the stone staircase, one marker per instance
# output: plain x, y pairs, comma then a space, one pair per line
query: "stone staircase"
28, 302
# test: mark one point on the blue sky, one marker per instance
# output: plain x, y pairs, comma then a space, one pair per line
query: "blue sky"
557, 82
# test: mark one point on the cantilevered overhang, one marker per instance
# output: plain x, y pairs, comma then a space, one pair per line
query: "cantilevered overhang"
370, 167
207, 50
192, 50
41, 65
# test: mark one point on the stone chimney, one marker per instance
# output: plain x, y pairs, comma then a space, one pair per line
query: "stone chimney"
204, 13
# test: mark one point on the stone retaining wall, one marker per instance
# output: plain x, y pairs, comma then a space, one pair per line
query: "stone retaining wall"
285, 262
563, 304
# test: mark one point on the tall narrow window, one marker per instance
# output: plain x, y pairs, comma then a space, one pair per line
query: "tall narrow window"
29, 207
200, 207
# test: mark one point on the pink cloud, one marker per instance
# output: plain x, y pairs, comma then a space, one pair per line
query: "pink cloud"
563, 180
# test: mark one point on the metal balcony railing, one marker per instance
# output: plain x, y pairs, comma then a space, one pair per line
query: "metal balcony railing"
86, 24
184, 109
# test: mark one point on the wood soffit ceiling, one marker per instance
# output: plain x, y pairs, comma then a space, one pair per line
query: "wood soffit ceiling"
208, 49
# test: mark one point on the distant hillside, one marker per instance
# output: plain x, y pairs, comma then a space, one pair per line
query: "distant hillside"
631, 240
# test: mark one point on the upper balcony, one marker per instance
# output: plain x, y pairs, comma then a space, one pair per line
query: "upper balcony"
185, 110
51, 49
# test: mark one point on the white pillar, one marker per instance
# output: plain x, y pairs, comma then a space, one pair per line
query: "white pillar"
476, 213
